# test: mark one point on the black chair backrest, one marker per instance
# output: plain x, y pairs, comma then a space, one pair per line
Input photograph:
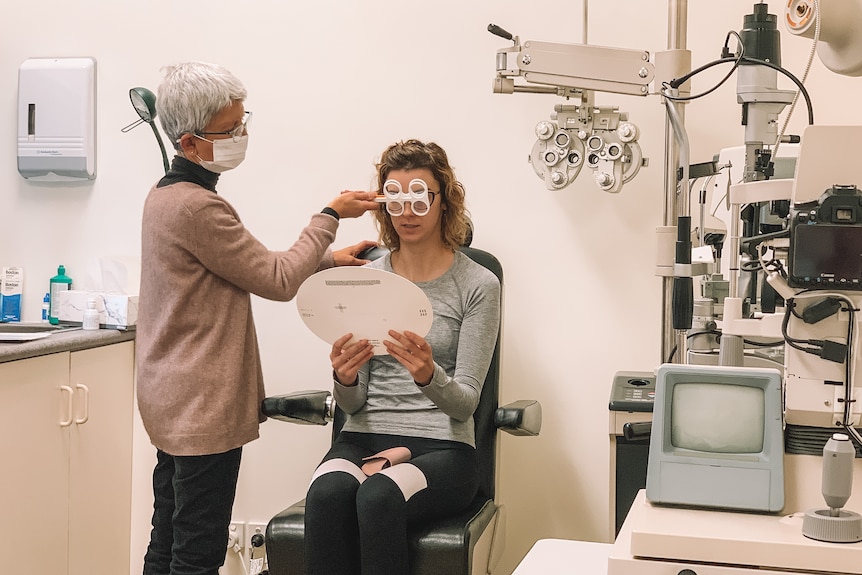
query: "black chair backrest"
486, 431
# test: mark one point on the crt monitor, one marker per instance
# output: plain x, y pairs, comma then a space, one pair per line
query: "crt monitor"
717, 438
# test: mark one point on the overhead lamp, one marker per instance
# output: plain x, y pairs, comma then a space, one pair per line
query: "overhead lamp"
144, 102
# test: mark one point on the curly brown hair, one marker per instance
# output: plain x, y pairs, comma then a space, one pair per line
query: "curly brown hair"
414, 155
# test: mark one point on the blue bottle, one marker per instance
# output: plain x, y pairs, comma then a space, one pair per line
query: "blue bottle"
46, 307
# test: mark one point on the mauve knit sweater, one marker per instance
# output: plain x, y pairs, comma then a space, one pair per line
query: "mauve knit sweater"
199, 377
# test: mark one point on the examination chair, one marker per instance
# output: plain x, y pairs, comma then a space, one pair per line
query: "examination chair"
470, 542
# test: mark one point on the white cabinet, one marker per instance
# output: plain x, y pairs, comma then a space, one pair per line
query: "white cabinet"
34, 455
66, 457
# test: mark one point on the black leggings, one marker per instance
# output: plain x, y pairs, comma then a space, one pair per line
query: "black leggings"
358, 525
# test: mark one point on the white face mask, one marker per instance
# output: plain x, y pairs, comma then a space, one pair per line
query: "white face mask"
227, 154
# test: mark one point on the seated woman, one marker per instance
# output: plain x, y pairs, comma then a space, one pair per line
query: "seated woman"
419, 399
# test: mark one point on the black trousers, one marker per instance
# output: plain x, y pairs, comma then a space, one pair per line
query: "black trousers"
193, 501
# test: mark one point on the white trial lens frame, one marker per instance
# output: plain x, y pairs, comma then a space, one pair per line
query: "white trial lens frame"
394, 196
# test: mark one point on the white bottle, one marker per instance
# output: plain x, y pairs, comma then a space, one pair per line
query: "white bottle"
91, 315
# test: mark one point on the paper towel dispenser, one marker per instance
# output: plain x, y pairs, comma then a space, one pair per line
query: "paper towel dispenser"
57, 119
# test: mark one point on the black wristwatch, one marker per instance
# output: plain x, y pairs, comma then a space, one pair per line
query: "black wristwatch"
331, 212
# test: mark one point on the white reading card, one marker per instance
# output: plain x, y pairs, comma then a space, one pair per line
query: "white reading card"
364, 301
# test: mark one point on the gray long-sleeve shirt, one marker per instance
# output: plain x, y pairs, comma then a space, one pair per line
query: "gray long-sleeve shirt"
466, 304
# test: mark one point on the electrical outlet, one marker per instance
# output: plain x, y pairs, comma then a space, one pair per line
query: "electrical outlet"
236, 534
252, 529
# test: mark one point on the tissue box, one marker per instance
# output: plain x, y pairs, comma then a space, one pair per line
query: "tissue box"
116, 311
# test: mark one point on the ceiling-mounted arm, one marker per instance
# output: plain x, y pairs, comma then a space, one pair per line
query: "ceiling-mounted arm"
561, 68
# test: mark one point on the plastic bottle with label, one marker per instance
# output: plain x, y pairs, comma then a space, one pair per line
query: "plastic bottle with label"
46, 307
91, 315
58, 283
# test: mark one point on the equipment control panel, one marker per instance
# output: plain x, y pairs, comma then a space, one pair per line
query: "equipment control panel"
633, 391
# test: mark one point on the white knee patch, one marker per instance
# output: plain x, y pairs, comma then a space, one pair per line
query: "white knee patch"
409, 479
342, 465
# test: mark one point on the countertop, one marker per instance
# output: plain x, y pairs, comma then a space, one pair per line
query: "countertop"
66, 340
565, 556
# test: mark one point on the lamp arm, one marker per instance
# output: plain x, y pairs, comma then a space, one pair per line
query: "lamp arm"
161, 145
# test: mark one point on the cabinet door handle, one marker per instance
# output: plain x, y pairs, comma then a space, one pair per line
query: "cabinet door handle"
69, 392
85, 401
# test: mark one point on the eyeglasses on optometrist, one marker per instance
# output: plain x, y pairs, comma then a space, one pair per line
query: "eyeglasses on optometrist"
417, 195
235, 133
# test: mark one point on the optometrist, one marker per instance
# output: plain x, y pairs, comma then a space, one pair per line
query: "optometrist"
199, 377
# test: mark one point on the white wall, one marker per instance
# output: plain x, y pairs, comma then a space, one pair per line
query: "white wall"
332, 83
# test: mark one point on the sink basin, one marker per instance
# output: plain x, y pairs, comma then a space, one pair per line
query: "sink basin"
30, 327
30, 331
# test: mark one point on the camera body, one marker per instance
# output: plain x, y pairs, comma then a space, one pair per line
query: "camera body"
826, 241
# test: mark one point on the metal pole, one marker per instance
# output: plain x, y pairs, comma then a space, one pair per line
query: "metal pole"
584, 39
677, 26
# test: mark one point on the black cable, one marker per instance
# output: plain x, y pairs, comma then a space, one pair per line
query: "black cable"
759, 239
795, 313
677, 82
725, 50
809, 350
775, 265
759, 343
791, 341
754, 354
714, 332
750, 342
763, 343
848, 387
750, 267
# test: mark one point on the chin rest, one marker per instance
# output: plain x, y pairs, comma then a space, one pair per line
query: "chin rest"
470, 542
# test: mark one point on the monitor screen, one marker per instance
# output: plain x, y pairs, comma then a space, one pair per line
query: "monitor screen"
700, 413
717, 438
826, 252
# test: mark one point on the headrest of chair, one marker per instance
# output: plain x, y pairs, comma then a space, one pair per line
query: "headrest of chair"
468, 239
378, 252
373, 253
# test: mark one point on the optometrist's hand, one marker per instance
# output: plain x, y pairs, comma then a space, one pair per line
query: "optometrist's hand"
347, 256
414, 353
350, 204
347, 358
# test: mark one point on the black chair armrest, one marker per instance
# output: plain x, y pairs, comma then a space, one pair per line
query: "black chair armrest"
303, 407
637, 430
522, 417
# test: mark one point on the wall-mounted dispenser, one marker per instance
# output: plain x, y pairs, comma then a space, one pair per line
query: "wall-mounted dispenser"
57, 119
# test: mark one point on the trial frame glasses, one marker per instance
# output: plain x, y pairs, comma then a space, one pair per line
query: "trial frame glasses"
417, 195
